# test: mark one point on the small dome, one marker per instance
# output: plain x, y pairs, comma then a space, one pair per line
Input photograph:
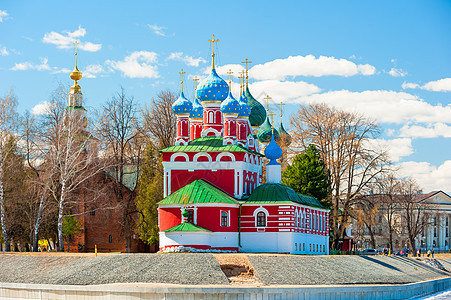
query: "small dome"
284, 136
258, 111
230, 105
212, 88
182, 105
198, 110
265, 133
273, 152
245, 110
75, 74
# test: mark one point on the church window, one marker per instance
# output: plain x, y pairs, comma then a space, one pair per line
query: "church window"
303, 246
261, 219
93, 211
310, 246
295, 246
435, 231
190, 216
211, 117
224, 219
316, 247
110, 239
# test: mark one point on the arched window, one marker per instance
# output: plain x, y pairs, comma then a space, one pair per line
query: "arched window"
110, 239
224, 219
261, 219
211, 117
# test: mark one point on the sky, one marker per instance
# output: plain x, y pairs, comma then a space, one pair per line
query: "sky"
388, 60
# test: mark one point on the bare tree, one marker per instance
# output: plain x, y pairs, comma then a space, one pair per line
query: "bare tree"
413, 210
159, 123
71, 159
365, 213
122, 151
343, 139
7, 124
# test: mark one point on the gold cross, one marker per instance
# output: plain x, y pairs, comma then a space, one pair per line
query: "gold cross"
267, 98
76, 43
213, 41
241, 77
272, 114
181, 82
230, 78
195, 79
281, 106
246, 62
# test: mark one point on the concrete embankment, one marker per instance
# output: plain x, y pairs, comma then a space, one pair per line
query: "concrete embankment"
204, 276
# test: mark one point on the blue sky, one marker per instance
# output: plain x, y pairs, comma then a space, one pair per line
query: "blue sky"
389, 60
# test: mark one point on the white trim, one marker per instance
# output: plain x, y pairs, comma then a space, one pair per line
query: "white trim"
198, 205
177, 154
197, 155
224, 154
216, 132
265, 211
206, 165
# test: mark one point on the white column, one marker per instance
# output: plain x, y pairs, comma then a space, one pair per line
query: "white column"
441, 233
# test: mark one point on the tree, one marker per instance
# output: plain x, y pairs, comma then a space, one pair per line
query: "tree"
123, 145
159, 123
308, 175
7, 124
344, 142
365, 213
415, 213
71, 159
71, 226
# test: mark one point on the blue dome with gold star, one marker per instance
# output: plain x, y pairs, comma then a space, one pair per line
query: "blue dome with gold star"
182, 105
245, 110
198, 110
230, 105
212, 88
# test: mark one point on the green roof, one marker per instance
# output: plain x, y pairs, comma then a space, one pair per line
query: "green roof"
208, 144
198, 191
258, 111
186, 227
279, 193
265, 132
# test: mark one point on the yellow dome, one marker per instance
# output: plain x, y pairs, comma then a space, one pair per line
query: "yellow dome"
75, 74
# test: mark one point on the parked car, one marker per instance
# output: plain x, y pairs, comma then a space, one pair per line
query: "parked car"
368, 252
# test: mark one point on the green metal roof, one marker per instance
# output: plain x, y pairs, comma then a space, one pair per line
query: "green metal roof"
258, 111
279, 193
198, 191
265, 132
208, 144
310, 201
186, 227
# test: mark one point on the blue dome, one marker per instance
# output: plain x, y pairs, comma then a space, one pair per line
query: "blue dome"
273, 152
212, 88
182, 105
245, 110
230, 105
198, 110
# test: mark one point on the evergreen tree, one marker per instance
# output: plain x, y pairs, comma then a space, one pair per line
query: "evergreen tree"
150, 192
308, 175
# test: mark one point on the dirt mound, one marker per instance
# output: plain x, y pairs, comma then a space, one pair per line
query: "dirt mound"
237, 268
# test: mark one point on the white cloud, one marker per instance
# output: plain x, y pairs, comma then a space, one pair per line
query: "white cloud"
41, 108
3, 51
139, 64
92, 71
429, 177
63, 70
158, 30
188, 60
429, 131
397, 72
30, 66
409, 85
3, 15
284, 90
384, 106
441, 85
67, 40
396, 148
222, 70
308, 66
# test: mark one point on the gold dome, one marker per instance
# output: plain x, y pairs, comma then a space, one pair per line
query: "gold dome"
75, 74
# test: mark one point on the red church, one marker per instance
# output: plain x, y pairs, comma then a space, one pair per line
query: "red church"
215, 199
